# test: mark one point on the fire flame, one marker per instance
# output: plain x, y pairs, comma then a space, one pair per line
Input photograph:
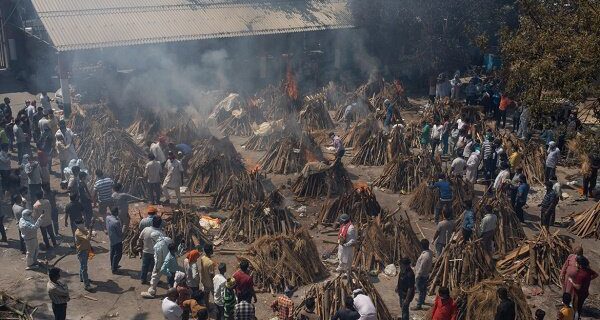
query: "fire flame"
291, 86
360, 185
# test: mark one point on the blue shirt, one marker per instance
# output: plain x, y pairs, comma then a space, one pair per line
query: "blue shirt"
468, 220
184, 148
445, 189
114, 229
522, 192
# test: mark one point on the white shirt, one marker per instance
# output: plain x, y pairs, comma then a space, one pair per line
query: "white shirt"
436, 131
458, 166
503, 175
488, 223
152, 171
158, 152
219, 282
171, 310
149, 242
365, 307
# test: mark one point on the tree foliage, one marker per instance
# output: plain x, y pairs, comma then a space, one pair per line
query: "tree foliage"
433, 35
554, 53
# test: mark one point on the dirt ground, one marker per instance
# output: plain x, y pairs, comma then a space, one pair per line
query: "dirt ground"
118, 296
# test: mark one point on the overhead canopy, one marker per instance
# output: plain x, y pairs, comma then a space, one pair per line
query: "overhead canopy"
87, 24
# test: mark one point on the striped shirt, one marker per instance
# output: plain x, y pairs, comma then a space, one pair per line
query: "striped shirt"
103, 188
58, 292
487, 149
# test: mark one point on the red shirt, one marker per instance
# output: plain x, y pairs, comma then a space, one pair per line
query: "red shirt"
243, 282
504, 103
583, 278
444, 309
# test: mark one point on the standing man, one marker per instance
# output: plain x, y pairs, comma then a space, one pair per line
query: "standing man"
521, 197
389, 113
553, 155
422, 271
34, 178
283, 305
405, 287
83, 247
17, 209
338, 146
425, 135
244, 310
42, 209
446, 129
364, 305
443, 233
45, 101
170, 309
489, 157
28, 229
487, 228
455, 86
102, 195
157, 149
458, 166
219, 286
244, 283
146, 241
436, 136
161, 251
115, 239
502, 177
505, 101
548, 206
5, 168
173, 179
73, 212
85, 198
20, 139
468, 221
147, 221
58, 293
346, 240
207, 272
445, 200
348, 115
121, 201
152, 172
506, 308
590, 175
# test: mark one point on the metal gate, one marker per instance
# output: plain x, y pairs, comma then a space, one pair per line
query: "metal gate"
3, 46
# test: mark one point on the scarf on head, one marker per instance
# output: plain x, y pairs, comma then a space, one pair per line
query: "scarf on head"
193, 256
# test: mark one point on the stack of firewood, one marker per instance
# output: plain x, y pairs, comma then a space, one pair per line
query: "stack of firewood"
481, 300
237, 124
374, 152
360, 203
290, 154
424, 198
333, 180
252, 221
314, 114
145, 127
361, 132
12, 308
245, 187
285, 260
184, 227
275, 103
533, 155
386, 243
259, 142
587, 223
187, 132
329, 295
405, 173
212, 163
461, 265
537, 261
509, 232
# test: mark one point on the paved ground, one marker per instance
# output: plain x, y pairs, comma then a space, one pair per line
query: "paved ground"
118, 296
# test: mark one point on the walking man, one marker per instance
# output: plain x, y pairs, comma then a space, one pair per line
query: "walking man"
102, 196
121, 201
28, 229
115, 239
487, 229
83, 247
445, 200
42, 209
346, 241
152, 172
553, 155
405, 287
173, 179
422, 271
146, 241
58, 293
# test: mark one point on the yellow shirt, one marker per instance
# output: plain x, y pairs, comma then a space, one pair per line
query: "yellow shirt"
207, 271
566, 313
82, 240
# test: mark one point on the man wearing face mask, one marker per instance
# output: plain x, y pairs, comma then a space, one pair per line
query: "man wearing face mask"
28, 228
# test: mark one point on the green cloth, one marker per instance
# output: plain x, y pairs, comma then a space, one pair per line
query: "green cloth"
3, 137
426, 134
229, 303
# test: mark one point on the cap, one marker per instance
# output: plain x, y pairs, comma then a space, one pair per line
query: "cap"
344, 218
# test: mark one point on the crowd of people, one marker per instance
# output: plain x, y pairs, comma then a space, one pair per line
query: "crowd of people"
201, 287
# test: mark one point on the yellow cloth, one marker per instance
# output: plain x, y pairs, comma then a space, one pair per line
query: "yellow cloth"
207, 271
82, 240
566, 313
515, 159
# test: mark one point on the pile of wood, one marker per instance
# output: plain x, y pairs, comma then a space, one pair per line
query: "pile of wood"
386, 243
252, 221
276, 103
314, 114
245, 187
187, 132
360, 203
361, 132
237, 124
183, 226
12, 308
262, 142
329, 180
130, 240
289, 155
481, 300
329, 295
534, 155
374, 152
461, 265
145, 126
537, 261
116, 153
405, 173
587, 223
424, 198
212, 163
285, 260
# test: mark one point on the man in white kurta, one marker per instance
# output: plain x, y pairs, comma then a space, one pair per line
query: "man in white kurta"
346, 239
473, 166
174, 178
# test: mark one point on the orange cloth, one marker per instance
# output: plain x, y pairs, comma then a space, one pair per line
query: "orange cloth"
152, 209
193, 256
504, 103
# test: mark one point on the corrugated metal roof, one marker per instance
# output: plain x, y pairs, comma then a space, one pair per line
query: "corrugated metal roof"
88, 24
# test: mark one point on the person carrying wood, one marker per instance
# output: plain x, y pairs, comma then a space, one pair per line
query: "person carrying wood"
347, 240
